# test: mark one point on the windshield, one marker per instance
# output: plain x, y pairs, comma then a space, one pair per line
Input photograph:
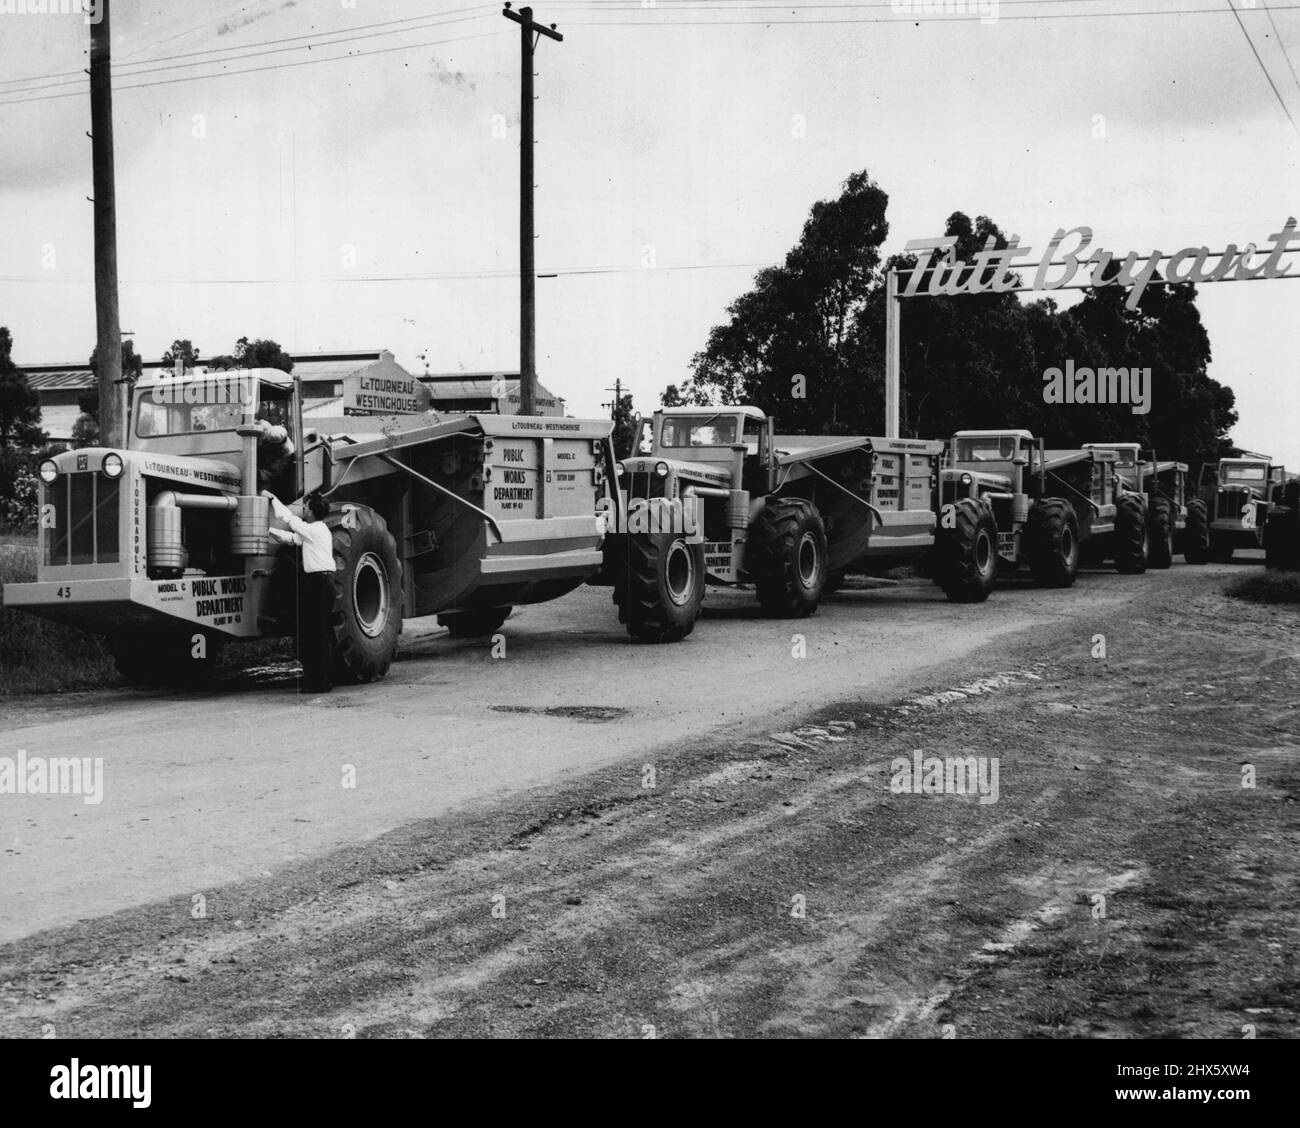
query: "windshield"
1127, 459
989, 448
1243, 474
210, 403
698, 430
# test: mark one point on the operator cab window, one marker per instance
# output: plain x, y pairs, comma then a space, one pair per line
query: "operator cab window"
216, 404
994, 448
1243, 473
699, 430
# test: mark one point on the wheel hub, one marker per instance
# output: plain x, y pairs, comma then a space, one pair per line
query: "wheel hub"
370, 594
679, 573
807, 559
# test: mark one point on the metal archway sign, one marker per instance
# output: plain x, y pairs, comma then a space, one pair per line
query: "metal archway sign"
993, 270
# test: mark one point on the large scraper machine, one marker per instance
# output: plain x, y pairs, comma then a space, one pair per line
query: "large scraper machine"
163, 547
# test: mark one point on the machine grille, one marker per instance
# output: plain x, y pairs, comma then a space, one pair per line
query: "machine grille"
85, 520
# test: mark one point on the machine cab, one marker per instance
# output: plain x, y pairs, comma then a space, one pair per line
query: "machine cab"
221, 415
1128, 455
1251, 475
992, 451
709, 435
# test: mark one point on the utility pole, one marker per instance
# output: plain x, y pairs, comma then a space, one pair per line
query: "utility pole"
527, 277
112, 432
617, 389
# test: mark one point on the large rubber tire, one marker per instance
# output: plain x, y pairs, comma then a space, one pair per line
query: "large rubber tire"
367, 614
1131, 542
1160, 530
966, 556
786, 558
660, 587
1282, 531
1052, 533
164, 656
1282, 540
1221, 548
1196, 535
474, 624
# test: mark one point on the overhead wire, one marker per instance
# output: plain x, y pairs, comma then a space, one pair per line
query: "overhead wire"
1268, 77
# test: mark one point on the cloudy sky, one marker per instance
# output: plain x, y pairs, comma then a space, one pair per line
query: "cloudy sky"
344, 175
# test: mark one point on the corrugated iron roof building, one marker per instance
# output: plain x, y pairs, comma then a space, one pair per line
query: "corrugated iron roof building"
322, 375
488, 392
59, 385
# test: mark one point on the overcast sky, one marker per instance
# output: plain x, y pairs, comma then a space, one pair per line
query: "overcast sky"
693, 136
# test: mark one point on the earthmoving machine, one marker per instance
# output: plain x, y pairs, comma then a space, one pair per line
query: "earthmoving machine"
1043, 509
1174, 523
164, 546
714, 496
1237, 494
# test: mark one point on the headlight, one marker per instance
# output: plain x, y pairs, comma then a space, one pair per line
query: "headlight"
112, 465
48, 471
619, 469
661, 468
966, 479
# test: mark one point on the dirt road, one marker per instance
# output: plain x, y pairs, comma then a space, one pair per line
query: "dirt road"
762, 877
201, 789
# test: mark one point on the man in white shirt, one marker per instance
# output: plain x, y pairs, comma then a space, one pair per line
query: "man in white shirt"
315, 586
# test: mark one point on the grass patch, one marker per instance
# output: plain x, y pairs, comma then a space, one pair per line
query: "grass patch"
1267, 587
37, 656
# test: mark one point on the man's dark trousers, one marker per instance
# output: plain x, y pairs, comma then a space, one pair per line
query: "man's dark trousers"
315, 607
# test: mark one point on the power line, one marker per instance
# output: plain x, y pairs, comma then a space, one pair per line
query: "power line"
348, 34
688, 5
1278, 36
340, 37
898, 18
1272, 85
254, 70
147, 65
440, 276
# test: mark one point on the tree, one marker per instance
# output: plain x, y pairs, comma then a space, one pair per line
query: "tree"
814, 328
20, 436
261, 354
685, 395
978, 361
794, 344
85, 431
181, 349
626, 427
20, 406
